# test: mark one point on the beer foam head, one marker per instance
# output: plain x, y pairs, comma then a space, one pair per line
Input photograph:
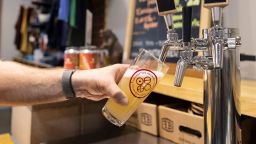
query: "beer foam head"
130, 72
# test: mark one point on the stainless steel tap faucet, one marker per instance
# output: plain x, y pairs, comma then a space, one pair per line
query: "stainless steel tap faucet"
222, 92
220, 63
186, 55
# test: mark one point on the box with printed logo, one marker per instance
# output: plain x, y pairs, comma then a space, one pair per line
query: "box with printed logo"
147, 113
180, 126
147, 118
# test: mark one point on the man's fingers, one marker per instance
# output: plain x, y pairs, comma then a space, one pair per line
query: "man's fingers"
120, 98
116, 93
121, 68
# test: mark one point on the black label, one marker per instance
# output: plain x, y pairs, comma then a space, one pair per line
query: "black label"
165, 5
214, 1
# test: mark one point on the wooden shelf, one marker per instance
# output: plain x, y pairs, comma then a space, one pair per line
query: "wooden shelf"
192, 90
248, 97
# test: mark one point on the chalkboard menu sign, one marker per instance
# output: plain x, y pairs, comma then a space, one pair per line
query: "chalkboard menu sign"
148, 29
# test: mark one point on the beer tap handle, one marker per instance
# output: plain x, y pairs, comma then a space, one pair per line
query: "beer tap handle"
217, 14
216, 7
180, 72
166, 8
187, 15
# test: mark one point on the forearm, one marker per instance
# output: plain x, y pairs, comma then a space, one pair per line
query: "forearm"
23, 85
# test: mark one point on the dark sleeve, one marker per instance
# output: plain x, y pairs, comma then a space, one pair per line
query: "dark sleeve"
17, 38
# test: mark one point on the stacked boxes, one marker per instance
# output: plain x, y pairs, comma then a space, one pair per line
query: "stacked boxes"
170, 121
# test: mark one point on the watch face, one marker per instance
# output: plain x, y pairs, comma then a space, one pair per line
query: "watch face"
214, 1
165, 5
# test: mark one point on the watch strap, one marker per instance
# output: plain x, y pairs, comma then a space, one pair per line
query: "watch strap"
66, 82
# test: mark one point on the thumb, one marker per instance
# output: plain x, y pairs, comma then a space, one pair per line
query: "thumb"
116, 93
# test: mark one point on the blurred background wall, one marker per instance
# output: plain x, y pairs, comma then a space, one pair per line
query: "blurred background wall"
10, 10
241, 14
117, 15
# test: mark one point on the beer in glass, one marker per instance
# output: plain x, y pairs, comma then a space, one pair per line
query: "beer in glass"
137, 83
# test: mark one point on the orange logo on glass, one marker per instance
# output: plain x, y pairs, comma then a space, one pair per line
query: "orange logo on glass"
142, 83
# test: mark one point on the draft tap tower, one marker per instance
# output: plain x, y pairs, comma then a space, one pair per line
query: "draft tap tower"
220, 63
166, 8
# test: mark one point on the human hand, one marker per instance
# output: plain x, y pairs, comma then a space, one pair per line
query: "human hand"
97, 84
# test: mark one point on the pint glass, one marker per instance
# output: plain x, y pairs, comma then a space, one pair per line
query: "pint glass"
137, 83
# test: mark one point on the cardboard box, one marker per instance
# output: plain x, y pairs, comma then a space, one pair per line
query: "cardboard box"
180, 127
147, 117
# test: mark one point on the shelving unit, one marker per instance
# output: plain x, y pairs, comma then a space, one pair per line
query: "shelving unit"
192, 90
123, 135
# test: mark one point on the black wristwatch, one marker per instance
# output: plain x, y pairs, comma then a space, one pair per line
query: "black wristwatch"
66, 82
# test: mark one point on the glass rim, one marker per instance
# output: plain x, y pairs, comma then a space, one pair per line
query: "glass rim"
155, 58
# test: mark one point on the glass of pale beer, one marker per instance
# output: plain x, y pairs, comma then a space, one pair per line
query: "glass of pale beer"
137, 83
